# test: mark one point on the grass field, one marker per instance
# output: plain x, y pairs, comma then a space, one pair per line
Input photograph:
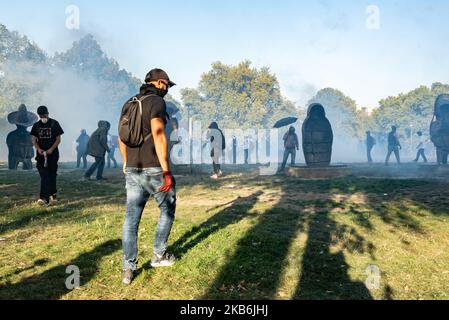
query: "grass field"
243, 237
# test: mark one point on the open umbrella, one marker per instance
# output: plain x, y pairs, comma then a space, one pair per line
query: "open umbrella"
285, 122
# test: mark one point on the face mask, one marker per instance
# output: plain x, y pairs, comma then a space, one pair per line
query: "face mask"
44, 120
162, 93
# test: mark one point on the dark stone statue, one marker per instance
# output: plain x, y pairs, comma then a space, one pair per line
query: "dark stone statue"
317, 137
20, 145
439, 128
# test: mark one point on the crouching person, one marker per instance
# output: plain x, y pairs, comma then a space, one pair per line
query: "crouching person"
144, 149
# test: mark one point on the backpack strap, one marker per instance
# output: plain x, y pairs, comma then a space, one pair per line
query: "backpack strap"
139, 101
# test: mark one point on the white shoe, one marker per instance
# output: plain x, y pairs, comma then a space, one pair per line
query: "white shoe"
42, 203
53, 200
220, 173
167, 260
215, 177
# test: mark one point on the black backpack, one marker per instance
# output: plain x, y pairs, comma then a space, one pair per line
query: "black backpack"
130, 127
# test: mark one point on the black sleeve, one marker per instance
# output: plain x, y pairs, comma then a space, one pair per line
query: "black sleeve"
58, 129
158, 110
34, 131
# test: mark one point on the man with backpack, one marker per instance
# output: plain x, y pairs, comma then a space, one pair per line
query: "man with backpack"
291, 144
144, 148
97, 148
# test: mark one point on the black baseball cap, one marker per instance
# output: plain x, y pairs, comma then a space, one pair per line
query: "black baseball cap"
42, 110
158, 74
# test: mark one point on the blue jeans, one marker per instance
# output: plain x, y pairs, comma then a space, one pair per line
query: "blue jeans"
141, 184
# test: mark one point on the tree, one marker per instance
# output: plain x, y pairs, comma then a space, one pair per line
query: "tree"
341, 111
238, 97
411, 111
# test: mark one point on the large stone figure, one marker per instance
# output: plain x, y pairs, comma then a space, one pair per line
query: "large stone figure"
317, 137
439, 129
20, 145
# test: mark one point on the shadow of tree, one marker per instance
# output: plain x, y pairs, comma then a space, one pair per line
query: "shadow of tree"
232, 214
51, 283
324, 275
256, 271
70, 211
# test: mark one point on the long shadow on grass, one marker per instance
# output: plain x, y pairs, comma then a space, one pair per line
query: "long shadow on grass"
324, 275
53, 215
51, 283
236, 211
256, 269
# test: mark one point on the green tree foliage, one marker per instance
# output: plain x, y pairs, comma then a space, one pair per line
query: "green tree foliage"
16, 54
341, 111
411, 111
238, 97
19, 48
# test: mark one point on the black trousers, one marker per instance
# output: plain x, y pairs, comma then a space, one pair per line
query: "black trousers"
246, 154
368, 152
80, 156
97, 165
48, 175
442, 156
394, 150
421, 153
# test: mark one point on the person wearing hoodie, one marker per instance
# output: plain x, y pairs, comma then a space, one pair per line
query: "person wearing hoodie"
291, 144
81, 149
97, 148
217, 145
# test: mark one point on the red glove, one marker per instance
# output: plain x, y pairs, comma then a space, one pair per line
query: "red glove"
169, 182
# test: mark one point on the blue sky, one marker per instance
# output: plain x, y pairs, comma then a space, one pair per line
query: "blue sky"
308, 44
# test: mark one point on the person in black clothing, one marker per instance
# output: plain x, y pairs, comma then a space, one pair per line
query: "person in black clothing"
46, 136
81, 149
370, 143
393, 145
291, 144
97, 148
112, 145
147, 172
217, 148
19, 141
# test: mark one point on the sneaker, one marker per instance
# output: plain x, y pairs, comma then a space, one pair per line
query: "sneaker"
53, 200
42, 203
127, 276
166, 260
220, 173
215, 176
